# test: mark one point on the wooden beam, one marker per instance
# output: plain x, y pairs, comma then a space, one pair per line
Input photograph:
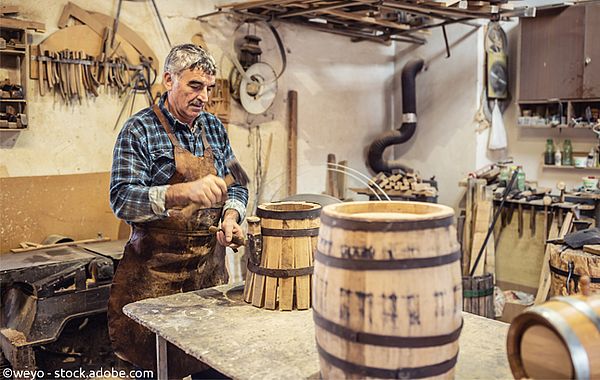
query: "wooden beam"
7, 22
341, 4
6, 9
292, 141
368, 20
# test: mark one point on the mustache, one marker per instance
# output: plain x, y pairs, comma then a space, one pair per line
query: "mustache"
197, 104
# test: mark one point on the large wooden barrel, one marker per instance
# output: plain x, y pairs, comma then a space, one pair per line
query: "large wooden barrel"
387, 291
559, 339
566, 268
279, 272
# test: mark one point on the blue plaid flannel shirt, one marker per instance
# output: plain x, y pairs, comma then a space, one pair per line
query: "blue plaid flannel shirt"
143, 163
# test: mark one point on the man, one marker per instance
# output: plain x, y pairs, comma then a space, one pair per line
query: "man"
166, 157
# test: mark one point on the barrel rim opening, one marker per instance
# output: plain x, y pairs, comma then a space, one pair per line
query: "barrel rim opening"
289, 206
515, 335
430, 211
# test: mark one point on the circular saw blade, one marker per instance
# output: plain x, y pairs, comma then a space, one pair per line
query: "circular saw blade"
258, 93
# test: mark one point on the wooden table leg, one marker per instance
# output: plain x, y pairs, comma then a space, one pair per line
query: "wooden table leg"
161, 358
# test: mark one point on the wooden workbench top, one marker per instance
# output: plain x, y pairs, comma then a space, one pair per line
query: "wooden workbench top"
244, 342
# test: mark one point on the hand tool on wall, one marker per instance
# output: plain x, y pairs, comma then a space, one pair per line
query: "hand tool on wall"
238, 175
532, 220
520, 220
547, 201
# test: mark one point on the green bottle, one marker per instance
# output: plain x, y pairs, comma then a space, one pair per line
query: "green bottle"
521, 179
549, 153
567, 156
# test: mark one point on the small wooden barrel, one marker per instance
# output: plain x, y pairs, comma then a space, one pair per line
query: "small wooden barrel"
280, 274
566, 268
387, 291
478, 295
559, 339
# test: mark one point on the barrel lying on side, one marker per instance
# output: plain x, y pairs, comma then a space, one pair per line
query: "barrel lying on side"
559, 339
387, 291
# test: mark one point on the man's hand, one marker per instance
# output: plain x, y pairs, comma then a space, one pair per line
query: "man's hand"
206, 192
229, 227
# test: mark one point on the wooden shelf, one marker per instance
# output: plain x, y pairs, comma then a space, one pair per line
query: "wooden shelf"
10, 51
563, 167
12, 129
561, 126
9, 100
556, 101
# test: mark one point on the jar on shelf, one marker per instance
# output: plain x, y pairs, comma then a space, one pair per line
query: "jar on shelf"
549, 153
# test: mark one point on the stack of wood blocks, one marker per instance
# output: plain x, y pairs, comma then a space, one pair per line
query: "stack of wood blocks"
408, 184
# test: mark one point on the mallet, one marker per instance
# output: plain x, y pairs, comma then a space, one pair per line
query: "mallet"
237, 175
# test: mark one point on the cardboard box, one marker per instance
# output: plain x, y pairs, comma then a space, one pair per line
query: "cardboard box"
511, 310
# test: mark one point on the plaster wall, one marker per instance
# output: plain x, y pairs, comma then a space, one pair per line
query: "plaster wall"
344, 99
447, 92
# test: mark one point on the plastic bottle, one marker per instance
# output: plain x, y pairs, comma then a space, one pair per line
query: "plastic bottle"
567, 156
590, 159
549, 153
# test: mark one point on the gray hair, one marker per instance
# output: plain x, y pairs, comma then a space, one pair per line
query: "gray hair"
189, 56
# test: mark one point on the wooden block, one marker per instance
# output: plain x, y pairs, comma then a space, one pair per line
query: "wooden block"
286, 285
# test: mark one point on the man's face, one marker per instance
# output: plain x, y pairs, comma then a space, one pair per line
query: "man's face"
188, 92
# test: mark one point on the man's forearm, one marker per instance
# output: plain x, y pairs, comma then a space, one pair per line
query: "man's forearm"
231, 214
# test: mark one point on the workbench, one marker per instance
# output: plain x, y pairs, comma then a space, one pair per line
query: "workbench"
244, 342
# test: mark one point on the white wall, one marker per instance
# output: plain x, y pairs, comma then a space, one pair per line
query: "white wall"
344, 98
444, 144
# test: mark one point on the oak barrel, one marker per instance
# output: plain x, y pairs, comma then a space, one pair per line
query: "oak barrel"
387, 294
566, 268
559, 339
279, 274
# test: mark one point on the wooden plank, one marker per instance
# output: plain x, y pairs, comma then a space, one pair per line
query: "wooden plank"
466, 247
368, 20
6, 9
303, 250
331, 177
594, 249
273, 257
44, 246
292, 141
7, 22
37, 206
545, 278
490, 256
286, 285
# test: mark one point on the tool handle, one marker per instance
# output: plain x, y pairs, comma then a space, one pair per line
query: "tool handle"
234, 239
190, 209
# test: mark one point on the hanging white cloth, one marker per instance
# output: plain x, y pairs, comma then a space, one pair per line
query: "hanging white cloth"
498, 138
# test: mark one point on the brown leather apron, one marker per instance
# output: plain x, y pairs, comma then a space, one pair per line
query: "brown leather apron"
163, 257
